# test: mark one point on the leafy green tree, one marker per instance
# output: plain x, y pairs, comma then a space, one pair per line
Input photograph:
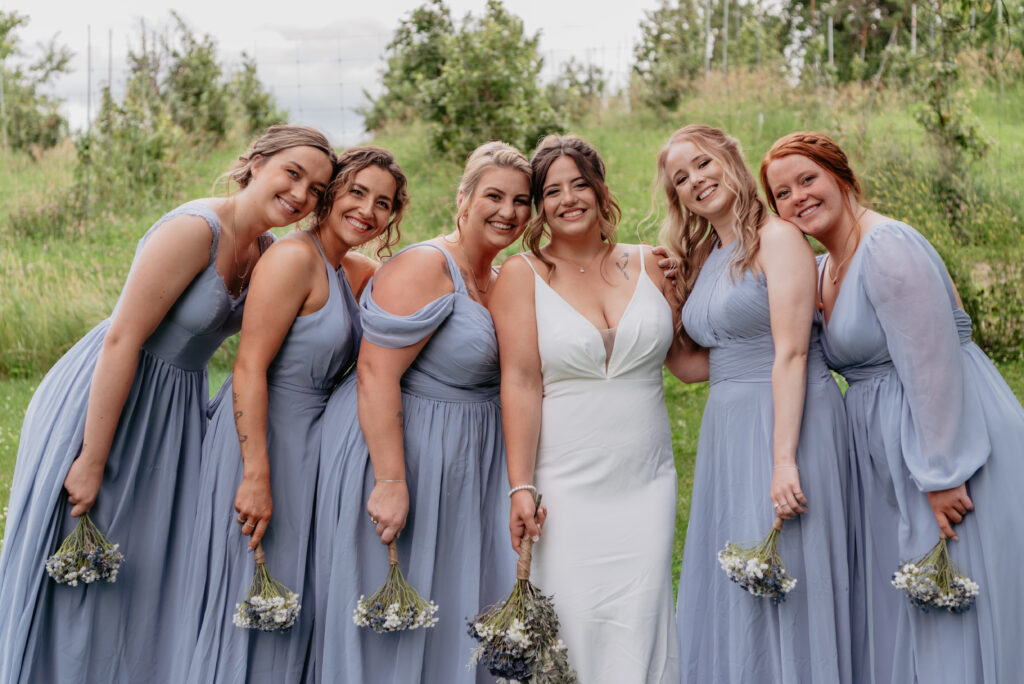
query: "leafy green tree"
194, 89
577, 91
258, 108
30, 117
488, 87
670, 54
416, 58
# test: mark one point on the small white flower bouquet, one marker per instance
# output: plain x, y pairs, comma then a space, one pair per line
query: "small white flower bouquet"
85, 556
396, 605
268, 605
757, 566
519, 638
934, 581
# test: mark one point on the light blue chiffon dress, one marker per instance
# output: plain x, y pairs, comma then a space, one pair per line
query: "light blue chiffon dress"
116, 632
727, 635
927, 411
455, 548
318, 348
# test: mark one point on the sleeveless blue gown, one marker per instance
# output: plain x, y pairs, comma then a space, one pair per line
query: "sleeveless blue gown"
727, 635
454, 549
927, 411
116, 632
318, 348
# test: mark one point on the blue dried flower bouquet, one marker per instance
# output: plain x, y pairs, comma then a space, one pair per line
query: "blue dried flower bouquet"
519, 638
757, 566
396, 605
85, 556
934, 581
268, 605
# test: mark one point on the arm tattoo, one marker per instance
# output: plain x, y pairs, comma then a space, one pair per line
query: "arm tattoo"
623, 263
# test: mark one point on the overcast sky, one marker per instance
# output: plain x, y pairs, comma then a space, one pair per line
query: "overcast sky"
317, 57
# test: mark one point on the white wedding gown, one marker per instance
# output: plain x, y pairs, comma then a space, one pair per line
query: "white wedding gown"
605, 468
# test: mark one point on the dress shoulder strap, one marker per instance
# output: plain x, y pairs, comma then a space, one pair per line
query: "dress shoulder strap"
527, 260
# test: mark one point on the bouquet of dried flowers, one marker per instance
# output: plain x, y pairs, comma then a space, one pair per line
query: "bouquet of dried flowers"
85, 556
934, 581
396, 605
519, 637
757, 566
268, 605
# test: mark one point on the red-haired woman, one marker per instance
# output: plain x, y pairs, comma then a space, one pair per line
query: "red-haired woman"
936, 433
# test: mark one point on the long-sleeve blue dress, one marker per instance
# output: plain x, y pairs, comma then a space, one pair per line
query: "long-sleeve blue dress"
927, 411
726, 635
318, 349
116, 632
454, 549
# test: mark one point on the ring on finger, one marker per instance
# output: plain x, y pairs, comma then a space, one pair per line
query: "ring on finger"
373, 520
248, 523
776, 505
240, 518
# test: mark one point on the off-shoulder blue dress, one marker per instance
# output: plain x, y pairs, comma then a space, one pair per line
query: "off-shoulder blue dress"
318, 348
927, 411
727, 635
116, 632
454, 549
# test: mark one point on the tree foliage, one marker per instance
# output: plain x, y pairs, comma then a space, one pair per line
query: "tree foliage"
416, 58
670, 53
258, 109
31, 118
195, 92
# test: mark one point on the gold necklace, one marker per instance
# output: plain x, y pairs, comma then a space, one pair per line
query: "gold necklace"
833, 275
469, 268
234, 255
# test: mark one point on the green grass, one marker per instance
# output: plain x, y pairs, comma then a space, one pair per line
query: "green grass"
54, 289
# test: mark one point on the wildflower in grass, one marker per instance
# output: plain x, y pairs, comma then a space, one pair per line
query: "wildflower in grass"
268, 605
934, 581
757, 566
519, 637
396, 605
85, 556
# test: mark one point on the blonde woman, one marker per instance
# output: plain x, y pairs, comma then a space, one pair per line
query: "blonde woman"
772, 439
424, 456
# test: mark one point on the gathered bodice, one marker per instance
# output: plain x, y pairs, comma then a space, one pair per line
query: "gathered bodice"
205, 314
322, 345
460, 361
854, 340
572, 349
727, 312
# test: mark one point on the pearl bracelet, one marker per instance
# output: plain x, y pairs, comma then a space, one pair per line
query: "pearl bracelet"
379, 481
520, 488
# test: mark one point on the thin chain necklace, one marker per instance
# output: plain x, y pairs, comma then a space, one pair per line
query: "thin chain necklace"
833, 275
234, 254
577, 264
469, 268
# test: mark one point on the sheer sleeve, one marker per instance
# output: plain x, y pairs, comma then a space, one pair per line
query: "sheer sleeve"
386, 329
907, 284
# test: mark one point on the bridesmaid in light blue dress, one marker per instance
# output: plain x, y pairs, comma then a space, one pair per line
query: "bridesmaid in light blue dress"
432, 463
116, 427
772, 439
300, 333
936, 433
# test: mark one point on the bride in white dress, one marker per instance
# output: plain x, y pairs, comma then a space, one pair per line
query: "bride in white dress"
583, 330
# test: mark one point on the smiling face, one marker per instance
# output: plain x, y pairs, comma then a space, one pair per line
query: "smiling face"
289, 183
362, 210
806, 194
699, 181
499, 208
569, 202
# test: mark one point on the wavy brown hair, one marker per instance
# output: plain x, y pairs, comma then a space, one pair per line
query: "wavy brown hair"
692, 237
591, 168
352, 161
